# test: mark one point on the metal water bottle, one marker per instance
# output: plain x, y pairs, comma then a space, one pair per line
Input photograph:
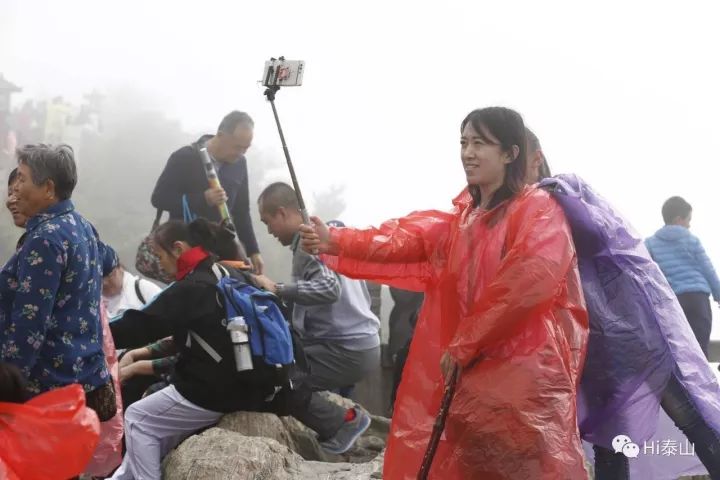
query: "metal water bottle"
239, 335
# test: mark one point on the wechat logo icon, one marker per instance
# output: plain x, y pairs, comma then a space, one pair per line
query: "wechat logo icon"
623, 444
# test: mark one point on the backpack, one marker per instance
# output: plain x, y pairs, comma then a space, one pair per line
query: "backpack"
146, 262
270, 339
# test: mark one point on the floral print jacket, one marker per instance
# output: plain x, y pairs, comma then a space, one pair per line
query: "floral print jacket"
50, 303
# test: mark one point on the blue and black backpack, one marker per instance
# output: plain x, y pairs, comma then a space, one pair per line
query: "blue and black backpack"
271, 341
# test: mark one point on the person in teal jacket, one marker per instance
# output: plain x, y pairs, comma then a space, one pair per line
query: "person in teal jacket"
686, 266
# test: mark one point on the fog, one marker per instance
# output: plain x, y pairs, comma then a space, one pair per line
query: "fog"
623, 93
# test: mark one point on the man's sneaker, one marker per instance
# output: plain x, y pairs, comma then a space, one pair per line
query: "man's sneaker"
348, 434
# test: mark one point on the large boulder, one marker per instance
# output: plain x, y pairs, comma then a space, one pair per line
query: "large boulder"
297, 437
219, 454
258, 446
265, 425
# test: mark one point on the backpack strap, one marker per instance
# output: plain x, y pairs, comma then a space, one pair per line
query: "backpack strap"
203, 344
156, 223
138, 292
219, 271
188, 215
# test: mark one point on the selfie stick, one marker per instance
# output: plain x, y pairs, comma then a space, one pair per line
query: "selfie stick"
270, 94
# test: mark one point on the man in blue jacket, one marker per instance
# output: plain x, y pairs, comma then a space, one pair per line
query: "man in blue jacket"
183, 182
685, 264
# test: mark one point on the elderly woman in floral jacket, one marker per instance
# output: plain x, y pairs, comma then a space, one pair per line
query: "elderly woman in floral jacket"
50, 289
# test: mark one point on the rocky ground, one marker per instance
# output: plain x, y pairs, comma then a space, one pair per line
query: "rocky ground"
262, 446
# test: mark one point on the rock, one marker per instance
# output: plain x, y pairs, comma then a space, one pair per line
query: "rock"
297, 437
342, 471
219, 454
259, 446
306, 443
268, 425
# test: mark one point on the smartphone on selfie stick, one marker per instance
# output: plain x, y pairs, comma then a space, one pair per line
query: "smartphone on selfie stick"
285, 73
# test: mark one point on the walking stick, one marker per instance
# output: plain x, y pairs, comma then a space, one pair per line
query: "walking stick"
214, 182
439, 425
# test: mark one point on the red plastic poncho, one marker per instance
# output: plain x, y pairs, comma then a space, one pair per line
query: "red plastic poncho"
503, 296
108, 453
50, 437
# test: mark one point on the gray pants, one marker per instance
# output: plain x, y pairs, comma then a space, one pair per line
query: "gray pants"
154, 426
331, 367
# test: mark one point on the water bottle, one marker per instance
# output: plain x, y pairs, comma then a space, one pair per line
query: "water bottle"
241, 343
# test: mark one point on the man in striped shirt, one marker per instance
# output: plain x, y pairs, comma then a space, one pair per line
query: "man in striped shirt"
332, 313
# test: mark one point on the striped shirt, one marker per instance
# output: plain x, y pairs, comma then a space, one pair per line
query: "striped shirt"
329, 306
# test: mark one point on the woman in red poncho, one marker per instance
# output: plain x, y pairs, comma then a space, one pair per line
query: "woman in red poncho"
503, 302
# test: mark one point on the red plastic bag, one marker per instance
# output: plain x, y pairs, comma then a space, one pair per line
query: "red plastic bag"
503, 298
52, 436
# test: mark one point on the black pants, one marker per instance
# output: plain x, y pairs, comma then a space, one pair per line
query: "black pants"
697, 310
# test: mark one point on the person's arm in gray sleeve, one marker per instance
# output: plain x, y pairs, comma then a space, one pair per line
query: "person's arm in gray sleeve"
319, 285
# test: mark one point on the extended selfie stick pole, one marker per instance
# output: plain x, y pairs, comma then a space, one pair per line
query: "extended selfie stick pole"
270, 94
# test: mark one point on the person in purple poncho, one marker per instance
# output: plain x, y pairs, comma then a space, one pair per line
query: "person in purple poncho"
642, 353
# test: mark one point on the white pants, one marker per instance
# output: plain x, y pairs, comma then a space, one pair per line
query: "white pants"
154, 426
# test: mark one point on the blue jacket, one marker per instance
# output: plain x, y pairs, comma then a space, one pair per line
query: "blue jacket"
683, 261
50, 303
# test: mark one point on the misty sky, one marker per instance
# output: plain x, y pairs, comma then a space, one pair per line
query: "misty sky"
624, 93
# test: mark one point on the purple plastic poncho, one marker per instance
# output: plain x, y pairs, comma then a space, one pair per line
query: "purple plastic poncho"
638, 333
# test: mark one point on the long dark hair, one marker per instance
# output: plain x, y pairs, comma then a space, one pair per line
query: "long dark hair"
507, 127
218, 240
534, 143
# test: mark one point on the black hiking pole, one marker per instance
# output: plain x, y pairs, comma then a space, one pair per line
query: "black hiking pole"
439, 425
